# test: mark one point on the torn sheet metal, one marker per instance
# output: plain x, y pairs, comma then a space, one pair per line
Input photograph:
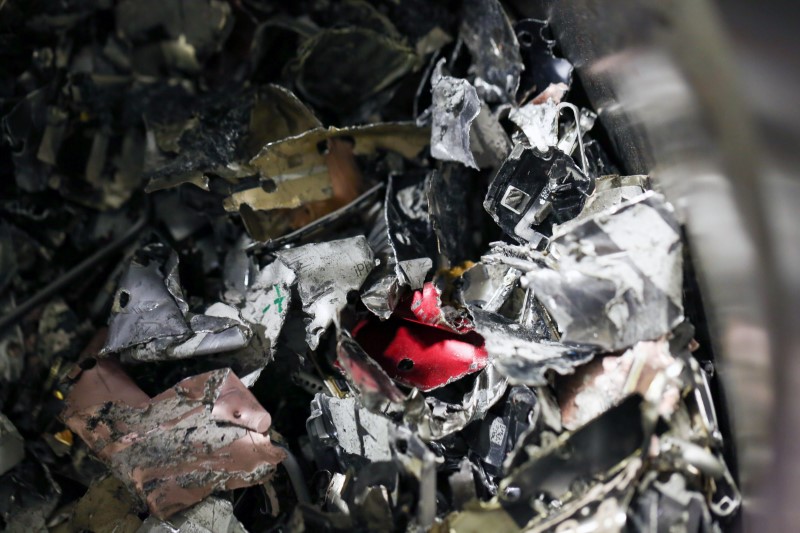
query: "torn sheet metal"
449, 198
266, 303
149, 305
425, 344
426, 307
543, 72
489, 286
495, 52
150, 319
411, 234
202, 138
498, 434
532, 190
374, 387
615, 278
212, 515
326, 272
602, 382
594, 449
342, 430
307, 176
239, 270
602, 508
417, 459
234, 124
455, 104
381, 295
302, 197
573, 132
488, 141
433, 419
521, 355
381, 291
612, 190
539, 123
207, 433
299, 154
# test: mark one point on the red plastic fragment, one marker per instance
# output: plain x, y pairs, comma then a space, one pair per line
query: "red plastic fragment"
425, 307
418, 355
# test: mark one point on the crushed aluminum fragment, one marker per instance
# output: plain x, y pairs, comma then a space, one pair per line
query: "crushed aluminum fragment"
352, 431
491, 40
433, 419
266, 302
420, 355
448, 192
418, 459
522, 356
455, 105
605, 443
615, 278
488, 141
149, 305
239, 270
326, 272
539, 123
410, 230
602, 382
212, 515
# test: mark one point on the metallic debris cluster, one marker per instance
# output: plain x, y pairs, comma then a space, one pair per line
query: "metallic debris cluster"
335, 266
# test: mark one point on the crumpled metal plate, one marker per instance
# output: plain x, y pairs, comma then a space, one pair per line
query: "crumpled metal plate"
326, 272
206, 433
150, 319
615, 278
455, 105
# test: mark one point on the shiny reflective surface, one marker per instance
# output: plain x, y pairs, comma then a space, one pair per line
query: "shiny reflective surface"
682, 94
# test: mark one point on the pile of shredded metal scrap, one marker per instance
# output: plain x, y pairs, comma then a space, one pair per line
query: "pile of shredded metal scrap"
332, 266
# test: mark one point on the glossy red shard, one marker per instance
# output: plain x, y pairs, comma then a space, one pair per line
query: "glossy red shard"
426, 307
418, 355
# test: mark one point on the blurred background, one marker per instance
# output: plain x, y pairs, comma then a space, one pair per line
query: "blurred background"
703, 95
